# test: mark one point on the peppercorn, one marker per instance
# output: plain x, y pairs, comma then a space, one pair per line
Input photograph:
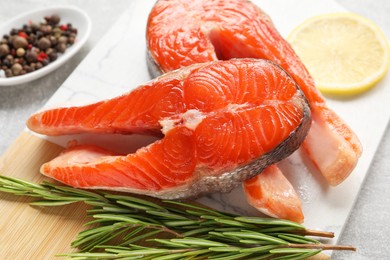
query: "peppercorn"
16, 69
53, 56
8, 73
34, 27
27, 68
4, 50
34, 45
19, 42
53, 40
46, 29
7, 63
54, 19
31, 56
71, 40
20, 52
61, 47
63, 39
13, 32
31, 38
44, 43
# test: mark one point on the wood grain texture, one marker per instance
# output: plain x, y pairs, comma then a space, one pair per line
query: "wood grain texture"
30, 232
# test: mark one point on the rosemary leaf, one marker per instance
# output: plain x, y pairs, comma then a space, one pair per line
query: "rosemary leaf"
117, 217
269, 222
46, 203
179, 223
197, 242
296, 238
128, 227
197, 231
255, 236
142, 236
297, 256
232, 256
146, 203
191, 206
169, 243
165, 214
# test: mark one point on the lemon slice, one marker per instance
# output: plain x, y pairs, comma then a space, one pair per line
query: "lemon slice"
344, 52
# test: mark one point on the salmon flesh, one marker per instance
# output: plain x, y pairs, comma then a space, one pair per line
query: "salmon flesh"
184, 32
222, 122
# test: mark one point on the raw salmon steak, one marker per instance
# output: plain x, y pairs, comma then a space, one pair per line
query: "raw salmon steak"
184, 32
222, 122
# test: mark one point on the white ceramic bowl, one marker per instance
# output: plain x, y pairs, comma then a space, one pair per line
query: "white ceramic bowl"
68, 14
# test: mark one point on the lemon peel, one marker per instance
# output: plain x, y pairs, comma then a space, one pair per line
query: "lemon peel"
345, 53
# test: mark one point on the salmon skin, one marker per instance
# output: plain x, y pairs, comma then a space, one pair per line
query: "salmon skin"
222, 123
206, 30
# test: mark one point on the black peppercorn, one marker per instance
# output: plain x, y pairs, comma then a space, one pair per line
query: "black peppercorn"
53, 56
8, 73
7, 63
13, 32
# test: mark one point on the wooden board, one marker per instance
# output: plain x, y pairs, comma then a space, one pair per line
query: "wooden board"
30, 232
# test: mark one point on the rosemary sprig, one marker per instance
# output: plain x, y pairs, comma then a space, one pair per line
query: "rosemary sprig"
128, 227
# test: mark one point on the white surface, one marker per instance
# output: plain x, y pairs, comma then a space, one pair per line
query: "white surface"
366, 228
68, 14
106, 72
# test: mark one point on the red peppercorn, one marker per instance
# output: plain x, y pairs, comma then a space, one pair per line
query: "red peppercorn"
63, 27
23, 34
41, 56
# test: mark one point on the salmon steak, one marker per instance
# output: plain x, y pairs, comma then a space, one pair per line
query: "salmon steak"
207, 30
221, 123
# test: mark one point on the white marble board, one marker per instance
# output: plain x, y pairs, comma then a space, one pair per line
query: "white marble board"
117, 64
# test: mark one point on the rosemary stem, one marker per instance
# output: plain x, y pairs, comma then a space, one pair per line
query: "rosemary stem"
317, 233
321, 247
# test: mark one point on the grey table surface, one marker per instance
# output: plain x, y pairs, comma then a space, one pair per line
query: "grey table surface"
367, 227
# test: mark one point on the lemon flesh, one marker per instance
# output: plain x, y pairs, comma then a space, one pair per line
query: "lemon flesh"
344, 52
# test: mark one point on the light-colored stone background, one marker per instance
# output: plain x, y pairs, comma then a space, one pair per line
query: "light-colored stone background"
367, 228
